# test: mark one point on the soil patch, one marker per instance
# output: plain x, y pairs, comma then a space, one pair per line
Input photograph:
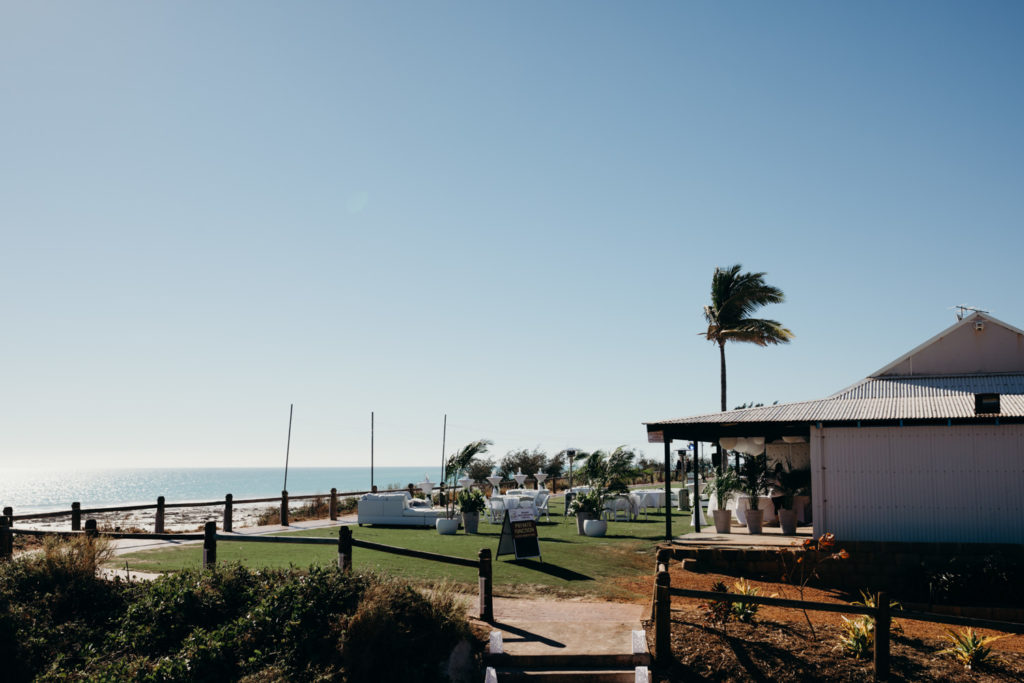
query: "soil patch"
779, 645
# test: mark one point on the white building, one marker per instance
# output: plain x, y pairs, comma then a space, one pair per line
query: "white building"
929, 448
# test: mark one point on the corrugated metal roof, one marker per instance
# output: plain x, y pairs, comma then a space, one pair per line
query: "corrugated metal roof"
888, 398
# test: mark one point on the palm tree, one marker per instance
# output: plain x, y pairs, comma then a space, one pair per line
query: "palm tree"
735, 296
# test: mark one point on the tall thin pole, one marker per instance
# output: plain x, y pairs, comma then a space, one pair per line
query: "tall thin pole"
696, 486
288, 448
371, 450
444, 436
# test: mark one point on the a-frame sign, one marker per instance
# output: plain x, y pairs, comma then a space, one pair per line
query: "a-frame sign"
519, 535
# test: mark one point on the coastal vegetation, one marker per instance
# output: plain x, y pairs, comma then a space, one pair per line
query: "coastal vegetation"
60, 621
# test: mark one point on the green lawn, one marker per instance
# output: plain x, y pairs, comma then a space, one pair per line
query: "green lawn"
572, 564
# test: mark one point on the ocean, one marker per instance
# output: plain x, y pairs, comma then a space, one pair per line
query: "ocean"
29, 491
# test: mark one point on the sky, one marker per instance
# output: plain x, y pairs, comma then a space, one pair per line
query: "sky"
506, 213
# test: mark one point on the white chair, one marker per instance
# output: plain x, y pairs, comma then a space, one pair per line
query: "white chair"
623, 508
497, 509
541, 501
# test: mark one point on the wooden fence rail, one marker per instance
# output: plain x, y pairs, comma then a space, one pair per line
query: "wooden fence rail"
881, 613
344, 542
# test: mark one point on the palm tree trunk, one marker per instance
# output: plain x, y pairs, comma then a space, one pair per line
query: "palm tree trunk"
721, 350
718, 446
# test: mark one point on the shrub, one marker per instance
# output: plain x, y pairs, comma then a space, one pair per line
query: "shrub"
858, 636
58, 621
745, 611
397, 634
717, 611
970, 649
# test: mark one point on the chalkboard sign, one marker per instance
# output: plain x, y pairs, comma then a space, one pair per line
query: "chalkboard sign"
518, 534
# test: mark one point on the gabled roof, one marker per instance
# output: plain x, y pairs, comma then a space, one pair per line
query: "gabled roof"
978, 343
917, 395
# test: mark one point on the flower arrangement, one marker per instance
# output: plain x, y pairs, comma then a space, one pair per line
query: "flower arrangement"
588, 503
470, 501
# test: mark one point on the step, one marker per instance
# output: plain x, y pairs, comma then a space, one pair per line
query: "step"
568, 661
566, 675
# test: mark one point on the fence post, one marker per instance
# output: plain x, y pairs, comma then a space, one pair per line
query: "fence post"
159, 527
284, 508
660, 565
90, 528
334, 504
345, 548
229, 510
6, 539
662, 620
210, 545
76, 516
9, 514
373, 489
486, 586
882, 624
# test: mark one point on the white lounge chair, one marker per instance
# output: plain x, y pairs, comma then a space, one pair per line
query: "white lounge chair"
394, 509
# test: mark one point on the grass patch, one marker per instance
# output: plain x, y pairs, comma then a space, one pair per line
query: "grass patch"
572, 565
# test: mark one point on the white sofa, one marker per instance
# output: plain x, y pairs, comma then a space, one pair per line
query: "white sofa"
394, 509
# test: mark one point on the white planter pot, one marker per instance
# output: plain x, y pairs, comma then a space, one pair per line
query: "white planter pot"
471, 521
787, 520
754, 518
581, 518
723, 520
595, 527
447, 527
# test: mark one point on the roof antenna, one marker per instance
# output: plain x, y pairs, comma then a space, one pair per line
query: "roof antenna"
963, 310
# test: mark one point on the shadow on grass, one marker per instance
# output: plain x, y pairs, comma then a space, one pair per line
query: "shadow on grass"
552, 570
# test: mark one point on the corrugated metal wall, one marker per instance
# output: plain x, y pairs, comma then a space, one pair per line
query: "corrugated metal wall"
920, 484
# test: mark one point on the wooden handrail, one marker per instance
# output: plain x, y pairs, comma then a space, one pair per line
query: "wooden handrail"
210, 503
774, 602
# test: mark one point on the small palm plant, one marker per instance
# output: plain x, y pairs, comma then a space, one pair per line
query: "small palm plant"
457, 464
745, 611
858, 636
969, 648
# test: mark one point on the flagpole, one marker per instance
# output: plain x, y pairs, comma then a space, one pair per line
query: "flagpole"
288, 448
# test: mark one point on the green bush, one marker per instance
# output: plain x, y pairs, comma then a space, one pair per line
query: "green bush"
59, 622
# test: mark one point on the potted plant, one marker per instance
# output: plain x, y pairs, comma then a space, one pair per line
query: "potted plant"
471, 504
754, 485
787, 516
456, 464
721, 487
586, 507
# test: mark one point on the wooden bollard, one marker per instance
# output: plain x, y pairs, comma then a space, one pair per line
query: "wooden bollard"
334, 504
662, 620
159, 526
486, 586
9, 514
345, 548
210, 545
660, 565
228, 512
76, 516
6, 539
373, 489
882, 624
90, 528
284, 508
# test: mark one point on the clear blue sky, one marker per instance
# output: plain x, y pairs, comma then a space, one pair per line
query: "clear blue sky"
509, 212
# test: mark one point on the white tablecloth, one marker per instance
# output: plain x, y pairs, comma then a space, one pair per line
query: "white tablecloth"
740, 503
